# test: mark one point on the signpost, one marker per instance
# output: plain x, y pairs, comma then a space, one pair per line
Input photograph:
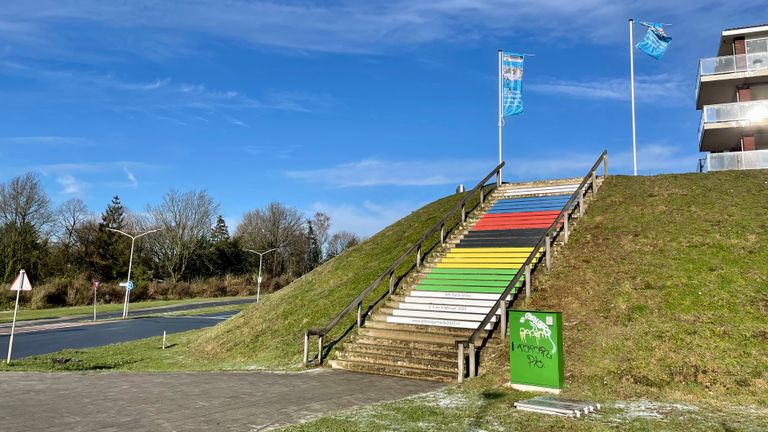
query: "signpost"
21, 283
536, 351
95, 285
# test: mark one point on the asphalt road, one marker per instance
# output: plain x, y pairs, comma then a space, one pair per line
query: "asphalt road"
52, 337
132, 312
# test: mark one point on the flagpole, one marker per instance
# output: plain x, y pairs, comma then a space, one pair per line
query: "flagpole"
501, 122
632, 91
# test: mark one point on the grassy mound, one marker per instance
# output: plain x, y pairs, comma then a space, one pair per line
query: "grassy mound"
271, 334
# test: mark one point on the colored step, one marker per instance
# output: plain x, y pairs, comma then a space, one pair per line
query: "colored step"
454, 295
440, 315
448, 301
445, 308
436, 322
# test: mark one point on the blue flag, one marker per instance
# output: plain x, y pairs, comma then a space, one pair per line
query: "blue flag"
655, 42
511, 83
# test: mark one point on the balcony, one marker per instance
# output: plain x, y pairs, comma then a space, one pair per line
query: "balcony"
718, 76
723, 124
756, 159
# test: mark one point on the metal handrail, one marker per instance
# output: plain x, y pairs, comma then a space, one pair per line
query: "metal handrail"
553, 230
389, 272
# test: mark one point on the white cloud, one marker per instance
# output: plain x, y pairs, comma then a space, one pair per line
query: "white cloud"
131, 178
366, 218
70, 185
352, 27
666, 87
374, 172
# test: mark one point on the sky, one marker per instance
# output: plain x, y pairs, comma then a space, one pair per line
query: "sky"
363, 110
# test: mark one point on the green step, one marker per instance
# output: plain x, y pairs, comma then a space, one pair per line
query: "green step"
459, 276
480, 271
467, 289
467, 281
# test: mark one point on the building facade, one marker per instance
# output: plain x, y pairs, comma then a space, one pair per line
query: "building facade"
732, 93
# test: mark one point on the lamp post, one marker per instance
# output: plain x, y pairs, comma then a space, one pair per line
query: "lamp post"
258, 280
130, 263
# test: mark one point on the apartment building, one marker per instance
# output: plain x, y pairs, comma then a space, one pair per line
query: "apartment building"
732, 93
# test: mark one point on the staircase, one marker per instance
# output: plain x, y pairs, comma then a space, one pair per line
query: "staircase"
414, 333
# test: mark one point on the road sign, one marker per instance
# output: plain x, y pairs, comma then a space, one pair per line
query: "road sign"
128, 285
95, 285
21, 283
536, 350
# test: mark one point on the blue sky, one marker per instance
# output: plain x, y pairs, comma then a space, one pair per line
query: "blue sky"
364, 110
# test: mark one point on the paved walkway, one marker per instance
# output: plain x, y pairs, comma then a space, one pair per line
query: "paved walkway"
216, 401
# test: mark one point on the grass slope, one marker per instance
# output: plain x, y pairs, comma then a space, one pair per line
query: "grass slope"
664, 292
269, 335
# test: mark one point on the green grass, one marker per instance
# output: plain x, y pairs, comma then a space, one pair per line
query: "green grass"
664, 294
270, 335
86, 311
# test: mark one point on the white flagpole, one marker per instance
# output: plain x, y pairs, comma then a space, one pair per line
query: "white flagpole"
632, 91
501, 121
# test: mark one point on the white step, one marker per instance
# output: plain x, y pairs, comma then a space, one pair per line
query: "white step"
539, 190
449, 301
441, 315
445, 308
457, 295
436, 322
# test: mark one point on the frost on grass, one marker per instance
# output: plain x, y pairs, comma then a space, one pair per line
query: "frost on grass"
446, 399
649, 410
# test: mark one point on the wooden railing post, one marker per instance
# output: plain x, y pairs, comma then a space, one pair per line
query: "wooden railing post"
442, 234
319, 350
581, 204
594, 185
472, 361
482, 195
359, 314
463, 212
503, 311
418, 257
461, 363
391, 282
605, 167
306, 348
527, 281
565, 228
548, 250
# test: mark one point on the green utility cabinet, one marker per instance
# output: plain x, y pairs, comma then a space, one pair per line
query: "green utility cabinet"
536, 350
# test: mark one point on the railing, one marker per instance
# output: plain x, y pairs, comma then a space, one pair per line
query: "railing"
357, 302
752, 159
733, 63
736, 111
559, 226
701, 165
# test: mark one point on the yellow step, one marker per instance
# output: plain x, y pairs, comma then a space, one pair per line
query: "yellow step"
491, 255
478, 266
499, 249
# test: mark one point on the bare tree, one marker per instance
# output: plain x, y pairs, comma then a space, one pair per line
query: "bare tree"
69, 217
321, 223
24, 201
186, 220
340, 242
275, 226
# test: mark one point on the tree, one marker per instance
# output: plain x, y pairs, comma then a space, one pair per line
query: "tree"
24, 201
321, 223
109, 258
185, 220
25, 214
340, 242
220, 231
275, 226
314, 251
69, 216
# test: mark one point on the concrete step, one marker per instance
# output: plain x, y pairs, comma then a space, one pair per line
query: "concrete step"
418, 331
433, 314
454, 295
361, 349
436, 322
450, 366
445, 301
403, 344
404, 372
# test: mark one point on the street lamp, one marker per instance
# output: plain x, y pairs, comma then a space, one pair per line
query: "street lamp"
130, 263
258, 280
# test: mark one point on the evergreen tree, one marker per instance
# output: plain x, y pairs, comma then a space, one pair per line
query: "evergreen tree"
314, 249
220, 231
110, 258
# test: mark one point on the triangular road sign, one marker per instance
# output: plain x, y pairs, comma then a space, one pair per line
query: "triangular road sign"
21, 283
